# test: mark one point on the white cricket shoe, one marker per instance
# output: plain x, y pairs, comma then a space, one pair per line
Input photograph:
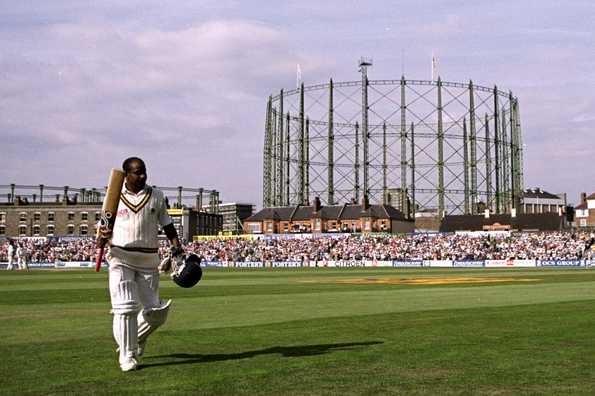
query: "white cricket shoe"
141, 349
129, 364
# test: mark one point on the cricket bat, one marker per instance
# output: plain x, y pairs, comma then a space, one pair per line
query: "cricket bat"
109, 209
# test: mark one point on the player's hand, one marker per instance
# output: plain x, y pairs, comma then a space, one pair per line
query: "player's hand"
173, 260
103, 236
176, 251
177, 257
165, 265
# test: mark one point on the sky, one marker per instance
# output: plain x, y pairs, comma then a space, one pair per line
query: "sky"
183, 84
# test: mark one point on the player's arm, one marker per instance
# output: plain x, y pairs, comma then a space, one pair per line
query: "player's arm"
176, 251
172, 235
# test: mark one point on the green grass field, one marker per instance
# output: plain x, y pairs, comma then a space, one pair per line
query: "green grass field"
303, 332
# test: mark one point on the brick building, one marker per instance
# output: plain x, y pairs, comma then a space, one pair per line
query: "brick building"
48, 219
76, 211
320, 219
78, 219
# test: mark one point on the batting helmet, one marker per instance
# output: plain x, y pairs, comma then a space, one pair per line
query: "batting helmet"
189, 273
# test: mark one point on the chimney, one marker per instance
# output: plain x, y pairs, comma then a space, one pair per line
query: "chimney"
583, 198
317, 205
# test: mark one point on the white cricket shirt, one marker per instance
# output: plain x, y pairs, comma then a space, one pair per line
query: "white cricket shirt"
134, 240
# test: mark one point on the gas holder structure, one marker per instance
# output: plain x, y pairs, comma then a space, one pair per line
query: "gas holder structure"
453, 148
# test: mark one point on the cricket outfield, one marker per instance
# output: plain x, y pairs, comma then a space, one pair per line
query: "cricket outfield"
310, 332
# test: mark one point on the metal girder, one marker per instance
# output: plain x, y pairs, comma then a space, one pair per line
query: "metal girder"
473, 148
331, 151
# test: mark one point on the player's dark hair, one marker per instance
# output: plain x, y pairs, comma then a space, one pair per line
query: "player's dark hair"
130, 160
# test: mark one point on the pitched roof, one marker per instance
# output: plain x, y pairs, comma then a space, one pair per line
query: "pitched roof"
351, 211
329, 212
271, 214
266, 213
592, 196
303, 213
393, 213
581, 206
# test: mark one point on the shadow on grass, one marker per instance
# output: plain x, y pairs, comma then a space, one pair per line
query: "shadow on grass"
291, 351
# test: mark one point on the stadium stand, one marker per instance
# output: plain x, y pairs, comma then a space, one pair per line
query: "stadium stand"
482, 246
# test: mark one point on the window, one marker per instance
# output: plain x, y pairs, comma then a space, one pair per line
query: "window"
2, 230
254, 228
2, 217
36, 216
70, 216
332, 226
22, 216
22, 230
97, 216
50, 230
36, 230
84, 216
51, 216
83, 229
70, 229
583, 222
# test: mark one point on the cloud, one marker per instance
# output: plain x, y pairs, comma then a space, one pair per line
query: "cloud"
192, 92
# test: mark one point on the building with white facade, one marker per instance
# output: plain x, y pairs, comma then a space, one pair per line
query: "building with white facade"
584, 213
536, 200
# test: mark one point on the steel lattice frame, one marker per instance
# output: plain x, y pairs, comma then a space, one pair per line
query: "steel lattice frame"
442, 145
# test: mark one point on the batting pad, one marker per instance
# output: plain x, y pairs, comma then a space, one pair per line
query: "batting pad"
125, 298
151, 319
125, 329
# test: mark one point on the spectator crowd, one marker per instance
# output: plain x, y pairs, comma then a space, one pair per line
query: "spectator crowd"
41, 250
543, 246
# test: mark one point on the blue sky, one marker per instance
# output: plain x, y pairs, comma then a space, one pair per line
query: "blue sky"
183, 84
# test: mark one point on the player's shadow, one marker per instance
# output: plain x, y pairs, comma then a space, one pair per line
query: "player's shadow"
290, 351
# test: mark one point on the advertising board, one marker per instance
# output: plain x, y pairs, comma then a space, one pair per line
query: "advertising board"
438, 263
407, 263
